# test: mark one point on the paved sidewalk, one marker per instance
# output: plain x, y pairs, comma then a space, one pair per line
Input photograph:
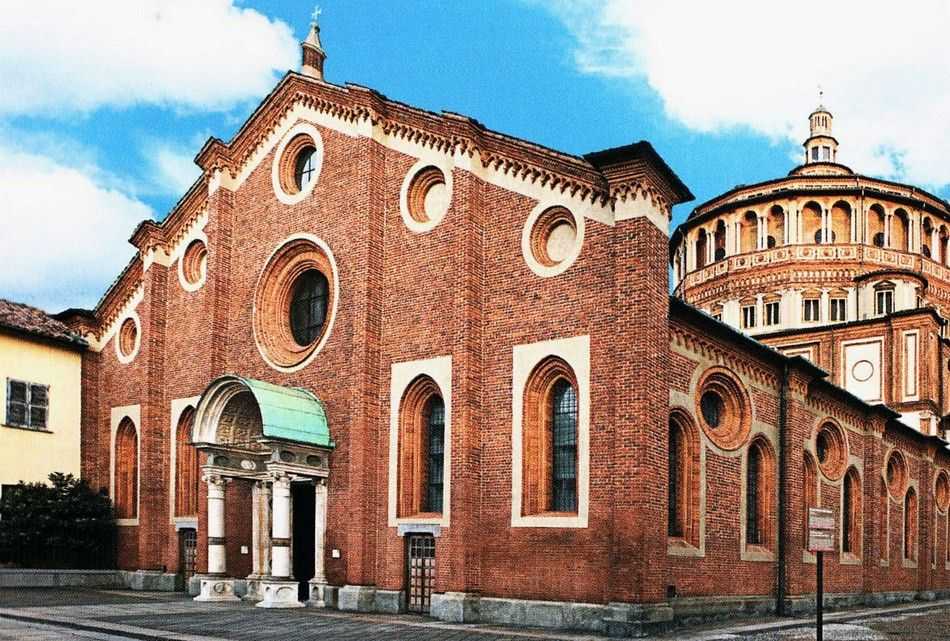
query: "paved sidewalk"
118, 615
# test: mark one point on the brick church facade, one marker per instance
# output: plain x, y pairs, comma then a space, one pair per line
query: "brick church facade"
382, 359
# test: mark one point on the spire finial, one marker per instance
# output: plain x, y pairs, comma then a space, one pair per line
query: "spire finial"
821, 95
313, 53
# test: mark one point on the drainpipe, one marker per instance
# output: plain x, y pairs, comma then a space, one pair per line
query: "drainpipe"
782, 493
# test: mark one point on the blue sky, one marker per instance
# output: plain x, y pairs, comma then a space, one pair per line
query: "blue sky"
106, 137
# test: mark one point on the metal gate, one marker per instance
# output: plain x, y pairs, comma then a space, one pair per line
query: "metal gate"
420, 571
188, 549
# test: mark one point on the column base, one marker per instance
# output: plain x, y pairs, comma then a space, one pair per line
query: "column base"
254, 592
216, 588
279, 593
323, 595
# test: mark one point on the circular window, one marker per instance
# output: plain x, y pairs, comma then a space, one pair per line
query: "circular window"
896, 475
942, 491
428, 196
552, 240
308, 306
712, 408
297, 163
425, 196
127, 340
831, 449
294, 303
724, 409
194, 263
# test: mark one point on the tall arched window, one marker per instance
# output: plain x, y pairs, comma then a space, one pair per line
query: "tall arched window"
809, 492
683, 489
421, 465
126, 471
186, 466
910, 525
701, 249
549, 439
759, 489
851, 513
435, 454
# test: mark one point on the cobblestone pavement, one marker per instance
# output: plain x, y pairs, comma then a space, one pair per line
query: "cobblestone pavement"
166, 615
111, 615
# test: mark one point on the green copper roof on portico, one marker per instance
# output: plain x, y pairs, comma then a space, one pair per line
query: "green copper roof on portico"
290, 413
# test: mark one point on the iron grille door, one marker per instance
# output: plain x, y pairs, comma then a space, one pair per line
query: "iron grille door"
188, 546
420, 572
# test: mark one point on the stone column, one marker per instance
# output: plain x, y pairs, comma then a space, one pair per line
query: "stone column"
318, 583
279, 588
215, 586
887, 230
260, 539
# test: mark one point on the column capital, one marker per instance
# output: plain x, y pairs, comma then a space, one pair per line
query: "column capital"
213, 478
279, 479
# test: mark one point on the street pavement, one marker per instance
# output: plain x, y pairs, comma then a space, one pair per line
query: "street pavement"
113, 615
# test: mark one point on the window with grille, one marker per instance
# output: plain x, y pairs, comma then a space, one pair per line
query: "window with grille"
753, 535
308, 306
435, 447
839, 309
748, 316
674, 498
27, 404
810, 310
884, 301
772, 313
564, 450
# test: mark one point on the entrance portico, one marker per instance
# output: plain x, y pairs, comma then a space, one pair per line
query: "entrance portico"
256, 432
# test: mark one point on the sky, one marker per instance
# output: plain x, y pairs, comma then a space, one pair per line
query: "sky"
103, 105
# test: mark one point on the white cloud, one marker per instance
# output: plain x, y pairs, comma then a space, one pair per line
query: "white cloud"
757, 65
64, 233
63, 57
174, 169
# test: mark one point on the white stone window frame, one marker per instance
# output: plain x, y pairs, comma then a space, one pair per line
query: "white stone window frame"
757, 553
439, 369
911, 365
182, 249
134, 414
305, 128
574, 351
849, 558
413, 225
547, 271
125, 359
179, 405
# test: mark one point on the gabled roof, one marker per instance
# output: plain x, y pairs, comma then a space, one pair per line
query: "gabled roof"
30, 321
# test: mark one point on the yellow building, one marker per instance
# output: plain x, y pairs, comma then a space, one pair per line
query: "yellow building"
40, 395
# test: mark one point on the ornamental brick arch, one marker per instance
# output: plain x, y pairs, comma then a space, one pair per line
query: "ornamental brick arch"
723, 408
830, 443
420, 402
683, 496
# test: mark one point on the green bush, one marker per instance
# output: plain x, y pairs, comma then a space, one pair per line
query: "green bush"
63, 524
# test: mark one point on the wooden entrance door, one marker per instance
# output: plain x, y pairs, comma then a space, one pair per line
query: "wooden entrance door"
420, 572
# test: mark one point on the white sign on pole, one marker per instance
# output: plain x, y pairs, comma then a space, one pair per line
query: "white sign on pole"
821, 530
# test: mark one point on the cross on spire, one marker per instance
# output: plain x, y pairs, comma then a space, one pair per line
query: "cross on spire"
315, 16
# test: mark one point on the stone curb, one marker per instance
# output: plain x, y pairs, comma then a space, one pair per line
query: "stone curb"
841, 616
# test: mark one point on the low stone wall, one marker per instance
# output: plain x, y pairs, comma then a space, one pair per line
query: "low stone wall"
27, 578
146, 580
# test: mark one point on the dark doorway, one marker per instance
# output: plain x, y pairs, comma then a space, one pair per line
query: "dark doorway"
188, 553
303, 497
420, 571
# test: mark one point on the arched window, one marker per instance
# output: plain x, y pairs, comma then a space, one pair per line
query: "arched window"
719, 238
421, 449
851, 513
126, 471
186, 466
759, 490
683, 488
776, 225
910, 525
809, 492
549, 474
701, 249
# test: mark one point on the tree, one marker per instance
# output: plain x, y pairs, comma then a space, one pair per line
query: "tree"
63, 524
